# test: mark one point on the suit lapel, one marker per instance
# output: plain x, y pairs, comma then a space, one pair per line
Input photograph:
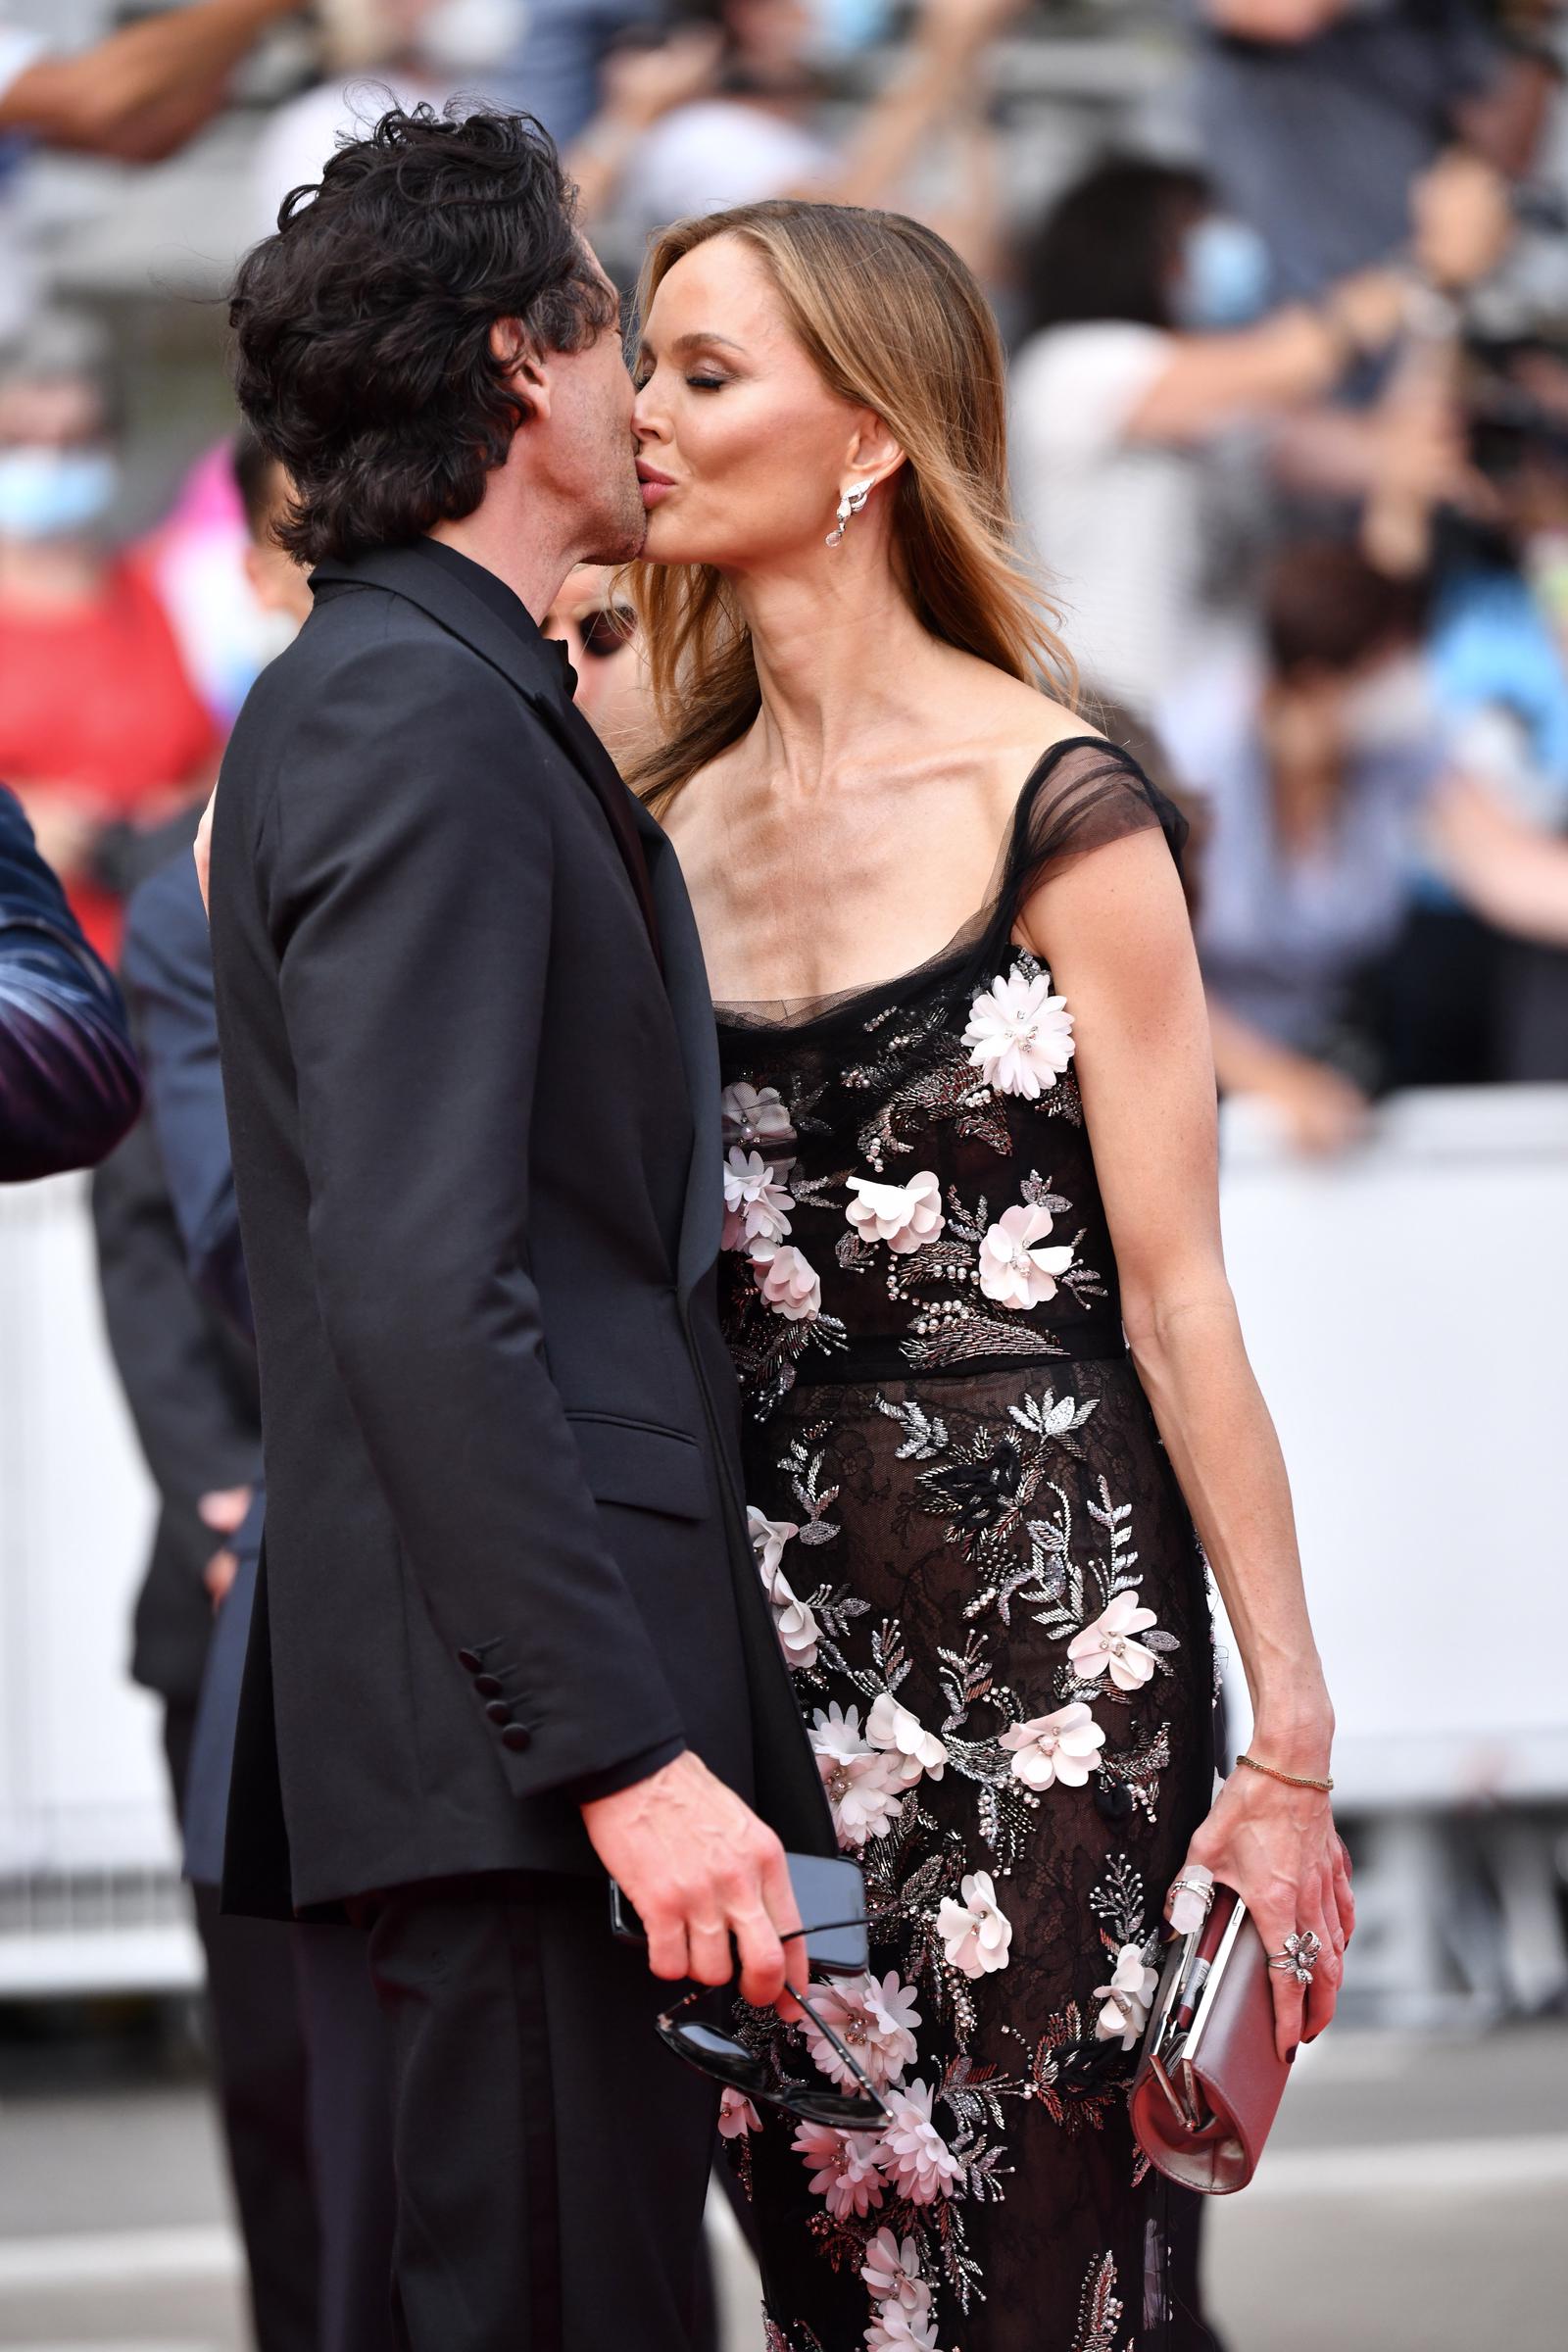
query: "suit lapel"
528, 666
686, 980
405, 572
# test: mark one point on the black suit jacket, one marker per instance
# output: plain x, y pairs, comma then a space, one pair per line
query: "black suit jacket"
167, 964
476, 1151
190, 1383
188, 1373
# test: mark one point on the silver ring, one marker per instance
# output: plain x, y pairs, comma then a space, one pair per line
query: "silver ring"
1299, 1956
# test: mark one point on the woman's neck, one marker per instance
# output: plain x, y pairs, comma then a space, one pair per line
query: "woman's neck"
838, 663
46, 575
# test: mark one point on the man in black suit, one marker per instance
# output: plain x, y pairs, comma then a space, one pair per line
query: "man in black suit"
509, 1632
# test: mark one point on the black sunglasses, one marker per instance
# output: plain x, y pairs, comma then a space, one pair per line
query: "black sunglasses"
718, 2052
606, 630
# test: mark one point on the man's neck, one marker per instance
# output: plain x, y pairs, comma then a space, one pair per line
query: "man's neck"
527, 564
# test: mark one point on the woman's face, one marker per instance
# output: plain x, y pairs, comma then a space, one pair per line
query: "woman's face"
742, 450
599, 630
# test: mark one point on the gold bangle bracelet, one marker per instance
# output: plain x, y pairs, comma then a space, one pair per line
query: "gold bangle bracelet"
1293, 1779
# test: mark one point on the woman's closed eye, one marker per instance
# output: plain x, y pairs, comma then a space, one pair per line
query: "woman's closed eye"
700, 380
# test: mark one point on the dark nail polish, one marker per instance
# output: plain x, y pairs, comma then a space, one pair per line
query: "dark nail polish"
1290, 2055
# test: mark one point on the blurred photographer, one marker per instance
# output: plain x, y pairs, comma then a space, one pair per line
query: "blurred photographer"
1498, 661
1317, 116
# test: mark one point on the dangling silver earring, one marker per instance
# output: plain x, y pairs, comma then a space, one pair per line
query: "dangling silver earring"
850, 505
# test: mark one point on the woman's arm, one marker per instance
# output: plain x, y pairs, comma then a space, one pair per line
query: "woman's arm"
140, 93
1294, 356
935, 79
1323, 1110
1121, 951
1510, 871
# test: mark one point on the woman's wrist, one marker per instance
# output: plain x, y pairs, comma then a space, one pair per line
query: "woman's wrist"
1295, 1741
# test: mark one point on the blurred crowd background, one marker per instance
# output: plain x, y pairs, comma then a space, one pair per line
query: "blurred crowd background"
1285, 288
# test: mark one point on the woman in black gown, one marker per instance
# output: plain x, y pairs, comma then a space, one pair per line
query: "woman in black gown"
974, 1294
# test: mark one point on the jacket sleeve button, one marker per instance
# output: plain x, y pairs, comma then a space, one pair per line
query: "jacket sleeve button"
470, 1659
515, 1738
488, 1687
499, 1711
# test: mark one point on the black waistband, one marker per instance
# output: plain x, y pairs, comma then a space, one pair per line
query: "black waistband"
869, 1363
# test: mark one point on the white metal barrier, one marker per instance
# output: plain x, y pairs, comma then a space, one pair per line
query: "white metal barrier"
1401, 1306
89, 1890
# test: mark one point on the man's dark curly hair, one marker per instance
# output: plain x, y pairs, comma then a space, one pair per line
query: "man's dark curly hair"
362, 327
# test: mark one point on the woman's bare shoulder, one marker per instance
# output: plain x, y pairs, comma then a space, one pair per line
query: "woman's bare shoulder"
1012, 726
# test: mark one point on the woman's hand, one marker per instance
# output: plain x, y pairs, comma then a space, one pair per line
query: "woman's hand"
1278, 1847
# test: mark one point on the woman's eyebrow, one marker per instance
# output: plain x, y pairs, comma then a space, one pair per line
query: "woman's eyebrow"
704, 342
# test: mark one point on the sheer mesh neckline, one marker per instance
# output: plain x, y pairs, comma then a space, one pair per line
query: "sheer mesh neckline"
790, 1013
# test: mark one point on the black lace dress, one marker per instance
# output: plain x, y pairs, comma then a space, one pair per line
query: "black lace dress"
991, 1594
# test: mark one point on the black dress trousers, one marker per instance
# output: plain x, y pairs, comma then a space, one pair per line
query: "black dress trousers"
260, 2068
349, 2108
552, 2155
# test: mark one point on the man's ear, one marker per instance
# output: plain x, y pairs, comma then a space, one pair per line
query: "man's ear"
528, 371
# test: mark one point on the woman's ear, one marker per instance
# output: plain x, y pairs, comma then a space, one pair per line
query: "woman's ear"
875, 454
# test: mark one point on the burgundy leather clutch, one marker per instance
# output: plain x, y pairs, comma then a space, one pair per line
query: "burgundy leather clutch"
1209, 2077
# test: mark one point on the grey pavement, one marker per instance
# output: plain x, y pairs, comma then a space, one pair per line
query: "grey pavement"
1414, 2199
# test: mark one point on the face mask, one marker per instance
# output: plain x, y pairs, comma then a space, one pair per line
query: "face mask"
1390, 708
1224, 277
55, 493
842, 26
466, 36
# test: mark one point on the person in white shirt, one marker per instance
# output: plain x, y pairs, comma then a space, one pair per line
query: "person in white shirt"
1149, 344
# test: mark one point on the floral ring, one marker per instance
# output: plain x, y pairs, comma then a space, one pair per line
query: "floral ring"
1299, 1956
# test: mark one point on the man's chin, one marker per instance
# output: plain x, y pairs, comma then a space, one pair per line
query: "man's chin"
621, 539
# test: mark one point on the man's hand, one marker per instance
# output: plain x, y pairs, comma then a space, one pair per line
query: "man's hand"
699, 1867
202, 849
223, 1511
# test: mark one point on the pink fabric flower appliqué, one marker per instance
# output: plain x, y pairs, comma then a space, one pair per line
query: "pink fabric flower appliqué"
1124, 2002
899, 1732
1016, 1269
789, 1284
757, 1206
915, 2158
975, 1933
845, 2175
756, 1115
1064, 1747
794, 1620
1019, 1035
1108, 1641
891, 2271
906, 1216
898, 2329
875, 2018
864, 1787
737, 2116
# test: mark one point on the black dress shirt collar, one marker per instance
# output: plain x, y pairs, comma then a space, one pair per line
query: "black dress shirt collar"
504, 601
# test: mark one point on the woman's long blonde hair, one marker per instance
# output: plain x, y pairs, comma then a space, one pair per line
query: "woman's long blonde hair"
894, 322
